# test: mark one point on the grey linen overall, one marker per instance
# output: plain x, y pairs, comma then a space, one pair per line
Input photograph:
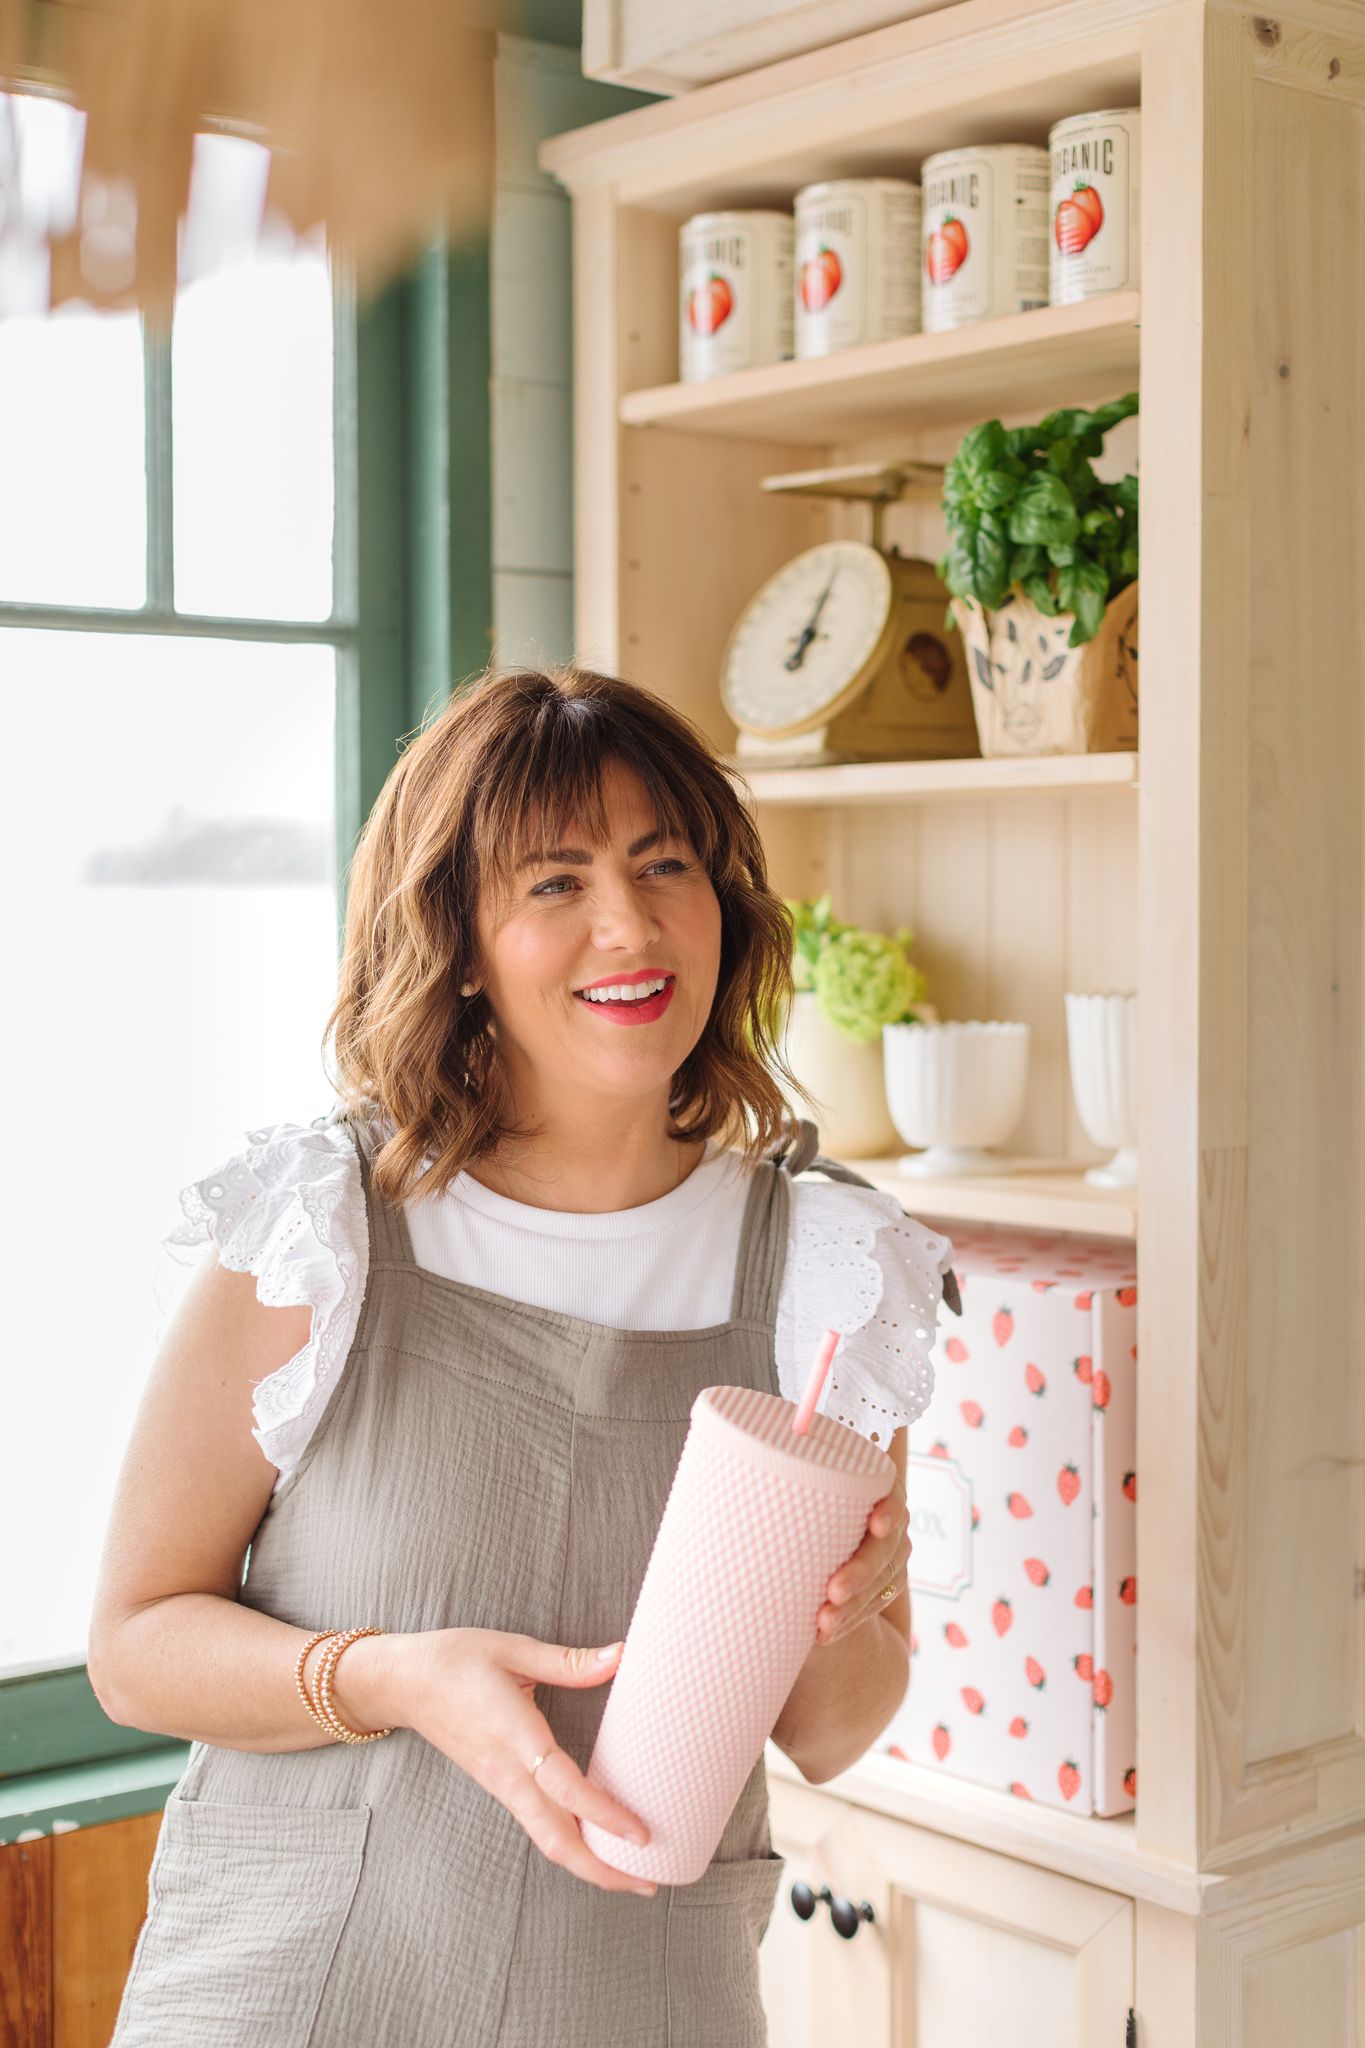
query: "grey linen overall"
481, 1464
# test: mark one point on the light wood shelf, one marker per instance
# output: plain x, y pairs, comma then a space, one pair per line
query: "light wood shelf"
1035, 1194
1052, 356
895, 782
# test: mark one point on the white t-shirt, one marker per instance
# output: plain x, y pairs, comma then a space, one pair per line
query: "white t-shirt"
290, 1208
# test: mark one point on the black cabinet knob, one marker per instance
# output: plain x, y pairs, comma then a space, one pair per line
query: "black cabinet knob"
844, 1915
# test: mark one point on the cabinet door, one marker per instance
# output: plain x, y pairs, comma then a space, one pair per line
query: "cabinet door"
967, 1949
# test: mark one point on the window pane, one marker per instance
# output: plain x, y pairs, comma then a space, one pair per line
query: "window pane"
171, 937
251, 377
73, 523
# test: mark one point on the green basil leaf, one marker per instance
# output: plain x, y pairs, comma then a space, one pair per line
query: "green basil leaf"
1039, 591
1043, 512
979, 451
1090, 595
1067, 423
996, 490
990, 583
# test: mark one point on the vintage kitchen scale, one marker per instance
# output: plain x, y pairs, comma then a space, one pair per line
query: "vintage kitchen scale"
844, 654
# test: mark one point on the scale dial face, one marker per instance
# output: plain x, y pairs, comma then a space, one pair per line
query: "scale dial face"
809, 639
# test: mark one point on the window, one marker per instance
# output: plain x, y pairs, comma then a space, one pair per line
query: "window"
177, 617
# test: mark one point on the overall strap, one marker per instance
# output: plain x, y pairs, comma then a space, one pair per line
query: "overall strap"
390, 1243
762, 1247
799, 1150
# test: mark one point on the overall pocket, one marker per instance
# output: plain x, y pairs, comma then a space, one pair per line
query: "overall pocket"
246, 1905
714, 1928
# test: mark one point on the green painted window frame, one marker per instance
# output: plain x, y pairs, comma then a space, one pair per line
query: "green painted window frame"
412, 619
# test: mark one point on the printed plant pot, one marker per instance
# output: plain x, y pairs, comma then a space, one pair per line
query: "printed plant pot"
1033, 694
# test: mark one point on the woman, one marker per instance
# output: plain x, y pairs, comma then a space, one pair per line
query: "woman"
474, 1306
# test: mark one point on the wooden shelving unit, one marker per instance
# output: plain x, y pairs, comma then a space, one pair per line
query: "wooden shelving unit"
1231, 894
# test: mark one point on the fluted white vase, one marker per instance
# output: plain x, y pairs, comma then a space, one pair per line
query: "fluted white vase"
1101, 1034
843, 1078
957, 1089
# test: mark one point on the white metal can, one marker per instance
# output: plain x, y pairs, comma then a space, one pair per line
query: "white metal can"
984, 233
857, 263
735, 296
1094, 245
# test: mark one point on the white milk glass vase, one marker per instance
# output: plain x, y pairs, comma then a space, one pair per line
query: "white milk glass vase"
1101, 1032
958, 1090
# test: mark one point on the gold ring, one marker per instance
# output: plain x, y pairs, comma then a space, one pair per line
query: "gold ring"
538, 1762
888, 1592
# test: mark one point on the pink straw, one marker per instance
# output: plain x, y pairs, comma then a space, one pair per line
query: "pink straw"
815, 1381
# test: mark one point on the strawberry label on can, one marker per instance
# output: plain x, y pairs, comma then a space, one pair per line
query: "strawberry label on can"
735, 292
984, 234
857, 270
1093, 246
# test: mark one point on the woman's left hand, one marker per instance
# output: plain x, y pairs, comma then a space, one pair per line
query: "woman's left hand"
855, 1591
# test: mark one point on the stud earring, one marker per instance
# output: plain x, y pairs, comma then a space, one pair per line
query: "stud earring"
468, 988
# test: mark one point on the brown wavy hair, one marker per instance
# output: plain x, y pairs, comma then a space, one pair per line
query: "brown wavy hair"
499, 772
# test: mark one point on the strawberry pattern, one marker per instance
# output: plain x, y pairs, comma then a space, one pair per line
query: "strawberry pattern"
1022, 1489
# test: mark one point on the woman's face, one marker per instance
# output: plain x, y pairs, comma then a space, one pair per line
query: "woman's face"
624, 914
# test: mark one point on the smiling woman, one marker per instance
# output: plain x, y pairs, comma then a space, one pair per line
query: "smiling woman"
471, 1312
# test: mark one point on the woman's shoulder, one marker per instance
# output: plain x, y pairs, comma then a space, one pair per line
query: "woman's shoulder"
238, 1203
857, 1263
287, 1206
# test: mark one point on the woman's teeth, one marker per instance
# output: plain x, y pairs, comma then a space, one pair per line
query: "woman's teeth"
633, 992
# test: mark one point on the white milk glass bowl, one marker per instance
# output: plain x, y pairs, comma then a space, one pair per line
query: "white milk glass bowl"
1101, 1033
958, 1090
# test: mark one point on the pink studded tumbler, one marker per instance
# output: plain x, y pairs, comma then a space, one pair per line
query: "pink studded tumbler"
757, 1521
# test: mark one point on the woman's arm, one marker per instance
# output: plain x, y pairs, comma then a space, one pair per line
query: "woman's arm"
210, 1670
847, 1690
171, 1648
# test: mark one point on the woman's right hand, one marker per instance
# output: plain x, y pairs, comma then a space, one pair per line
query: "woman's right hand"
471, 1692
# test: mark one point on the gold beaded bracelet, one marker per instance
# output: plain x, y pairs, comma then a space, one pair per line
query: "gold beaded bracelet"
322, 1709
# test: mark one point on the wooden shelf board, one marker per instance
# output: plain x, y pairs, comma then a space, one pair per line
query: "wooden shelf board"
1037, 1194
890, 782
1020, 362
876, 103
1083, 1846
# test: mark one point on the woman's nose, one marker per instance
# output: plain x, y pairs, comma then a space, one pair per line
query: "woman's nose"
625, 915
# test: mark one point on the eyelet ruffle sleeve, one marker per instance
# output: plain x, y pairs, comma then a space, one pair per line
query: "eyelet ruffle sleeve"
858, 1264
289, 1208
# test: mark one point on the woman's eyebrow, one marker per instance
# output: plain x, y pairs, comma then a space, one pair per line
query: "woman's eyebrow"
584, 859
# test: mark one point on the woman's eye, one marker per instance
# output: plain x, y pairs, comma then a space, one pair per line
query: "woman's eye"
552, 887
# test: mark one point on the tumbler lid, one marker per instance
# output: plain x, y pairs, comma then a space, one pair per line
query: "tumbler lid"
836, 1458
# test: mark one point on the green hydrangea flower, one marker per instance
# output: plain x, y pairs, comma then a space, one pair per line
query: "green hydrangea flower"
864, 980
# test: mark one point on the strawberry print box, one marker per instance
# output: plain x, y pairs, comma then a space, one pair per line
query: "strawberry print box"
1022, 1493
